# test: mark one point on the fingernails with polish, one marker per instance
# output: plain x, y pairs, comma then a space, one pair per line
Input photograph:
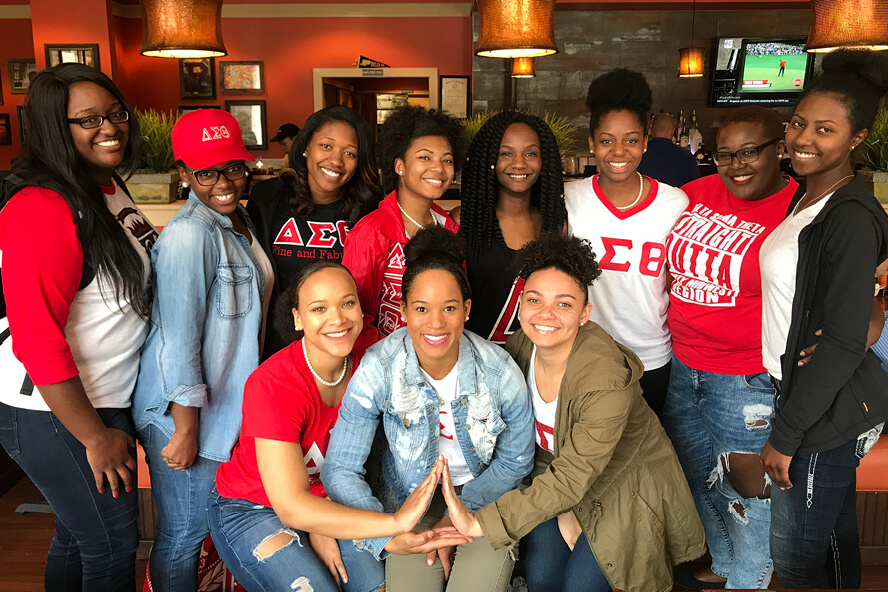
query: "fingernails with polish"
129, 489
116, 495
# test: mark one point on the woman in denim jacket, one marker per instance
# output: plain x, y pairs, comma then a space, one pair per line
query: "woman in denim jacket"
212, 282
435, 389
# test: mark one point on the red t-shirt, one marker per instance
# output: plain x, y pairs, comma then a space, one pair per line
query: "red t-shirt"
282, 402
715, 313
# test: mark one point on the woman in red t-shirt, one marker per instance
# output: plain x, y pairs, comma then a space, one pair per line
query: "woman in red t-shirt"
270, 520
720, 402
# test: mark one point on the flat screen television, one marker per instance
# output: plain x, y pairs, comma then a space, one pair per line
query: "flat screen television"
759, 71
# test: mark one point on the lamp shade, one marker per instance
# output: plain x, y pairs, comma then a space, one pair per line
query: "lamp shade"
522, 68
516, 28
182, 28
690, 63
848, 23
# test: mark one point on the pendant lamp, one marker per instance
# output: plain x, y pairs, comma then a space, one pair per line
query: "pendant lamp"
516, 28
523, 68
690, 63
835, 24
182, 28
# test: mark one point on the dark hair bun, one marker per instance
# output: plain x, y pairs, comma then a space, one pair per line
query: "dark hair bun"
434, 241
620, 89
872, 66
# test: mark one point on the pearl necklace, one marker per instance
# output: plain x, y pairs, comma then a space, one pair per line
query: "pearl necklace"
637, 199
317, 376
415, 223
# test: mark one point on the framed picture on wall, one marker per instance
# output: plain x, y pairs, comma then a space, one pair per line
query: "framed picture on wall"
21, 70
242, 78
183, 109
251, 117
5, 131
455, 96
67, 53
197, 78
20, 116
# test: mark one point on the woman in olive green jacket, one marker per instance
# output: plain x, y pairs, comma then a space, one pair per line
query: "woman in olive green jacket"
605, 469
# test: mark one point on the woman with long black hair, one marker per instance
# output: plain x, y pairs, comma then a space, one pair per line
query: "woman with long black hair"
305, 214
77, 312
512, 190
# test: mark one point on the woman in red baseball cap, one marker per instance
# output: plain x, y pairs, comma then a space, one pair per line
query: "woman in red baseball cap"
212, 283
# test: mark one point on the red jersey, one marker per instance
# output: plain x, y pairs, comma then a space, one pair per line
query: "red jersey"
282, 402
715, 313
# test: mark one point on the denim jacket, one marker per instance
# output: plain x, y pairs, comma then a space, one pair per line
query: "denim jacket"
204, 338
492, 413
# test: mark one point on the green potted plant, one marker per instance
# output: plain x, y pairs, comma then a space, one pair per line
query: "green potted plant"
155, 181
872, 156
561, 127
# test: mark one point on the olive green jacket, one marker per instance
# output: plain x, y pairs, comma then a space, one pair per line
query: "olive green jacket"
614, 467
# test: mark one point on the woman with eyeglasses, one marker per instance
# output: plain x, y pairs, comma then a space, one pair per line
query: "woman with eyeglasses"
212, 284
75, 268
627, 217
720, 402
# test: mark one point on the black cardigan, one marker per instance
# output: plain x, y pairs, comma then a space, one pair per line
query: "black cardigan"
842, 391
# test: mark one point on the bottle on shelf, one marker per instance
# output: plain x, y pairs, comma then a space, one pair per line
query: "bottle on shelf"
695, 138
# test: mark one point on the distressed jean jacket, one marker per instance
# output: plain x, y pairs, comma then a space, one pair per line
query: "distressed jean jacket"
204, 338
492, 414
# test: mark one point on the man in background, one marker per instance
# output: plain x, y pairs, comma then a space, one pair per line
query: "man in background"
664, 161
285, 136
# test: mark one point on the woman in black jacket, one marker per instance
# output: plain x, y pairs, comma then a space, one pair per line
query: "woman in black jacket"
817, 272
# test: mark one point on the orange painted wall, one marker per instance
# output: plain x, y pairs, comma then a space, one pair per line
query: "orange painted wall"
290, 49
16, 41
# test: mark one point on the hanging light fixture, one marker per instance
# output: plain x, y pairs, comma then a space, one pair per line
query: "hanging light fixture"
516, 28
182, 28
523, 68
835, 24
690, 63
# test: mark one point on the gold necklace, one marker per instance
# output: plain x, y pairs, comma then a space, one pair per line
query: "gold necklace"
819, 197
637, 199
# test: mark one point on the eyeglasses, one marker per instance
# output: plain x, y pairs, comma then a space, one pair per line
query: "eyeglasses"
743, 156
94, 121
209, 177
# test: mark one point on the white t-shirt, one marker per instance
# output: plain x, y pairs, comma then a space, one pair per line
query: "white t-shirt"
629, 300
268, 272
448, 445
543, 412
779, 259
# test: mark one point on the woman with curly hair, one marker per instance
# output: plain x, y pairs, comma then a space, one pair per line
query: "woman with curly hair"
512, 190
627, 218
305, 214
608, 505
420, 151
817, 272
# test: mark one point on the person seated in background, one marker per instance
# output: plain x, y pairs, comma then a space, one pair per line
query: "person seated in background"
285, 136
663, 160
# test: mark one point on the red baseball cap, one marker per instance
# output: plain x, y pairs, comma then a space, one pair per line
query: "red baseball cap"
206, 137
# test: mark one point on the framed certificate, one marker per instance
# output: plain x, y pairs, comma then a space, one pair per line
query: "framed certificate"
455, 96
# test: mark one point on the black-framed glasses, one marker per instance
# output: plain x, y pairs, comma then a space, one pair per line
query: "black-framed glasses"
209, 177
743, 156
94, 121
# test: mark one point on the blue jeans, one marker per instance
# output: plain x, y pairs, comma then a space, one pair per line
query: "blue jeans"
551, 566
239, 527
814, 523
94, 545
181, 500
708, 416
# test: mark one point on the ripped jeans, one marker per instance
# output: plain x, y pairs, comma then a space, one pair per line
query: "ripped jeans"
239, 527
708, 416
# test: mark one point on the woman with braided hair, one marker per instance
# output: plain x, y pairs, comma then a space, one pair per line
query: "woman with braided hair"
512, 190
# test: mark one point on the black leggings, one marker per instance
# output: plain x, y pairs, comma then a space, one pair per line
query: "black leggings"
654, 384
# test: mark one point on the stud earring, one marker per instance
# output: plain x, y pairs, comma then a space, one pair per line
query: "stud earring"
853, 147
304, 155
400, 172
185, 184
467, 318
645, 150
492, 167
